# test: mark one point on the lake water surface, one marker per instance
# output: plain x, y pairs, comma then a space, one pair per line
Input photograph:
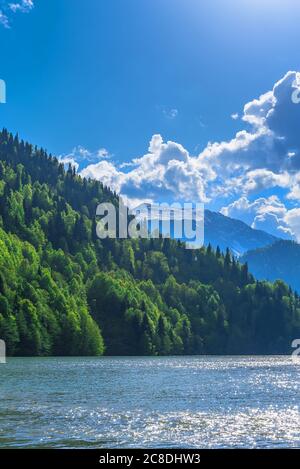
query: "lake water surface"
187, 402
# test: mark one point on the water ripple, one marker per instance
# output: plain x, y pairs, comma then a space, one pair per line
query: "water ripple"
183, 402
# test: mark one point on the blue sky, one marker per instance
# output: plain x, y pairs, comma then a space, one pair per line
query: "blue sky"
96, 81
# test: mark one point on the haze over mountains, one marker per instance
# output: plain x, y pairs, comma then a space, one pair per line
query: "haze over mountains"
236, 235
280, 260
219, 230
268, 257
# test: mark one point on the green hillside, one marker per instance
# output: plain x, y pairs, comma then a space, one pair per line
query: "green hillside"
65, 292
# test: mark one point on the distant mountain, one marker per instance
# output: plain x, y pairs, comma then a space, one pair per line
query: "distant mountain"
278, 261
224, 232
219, 230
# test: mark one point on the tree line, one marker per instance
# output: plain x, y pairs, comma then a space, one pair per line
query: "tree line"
63, 291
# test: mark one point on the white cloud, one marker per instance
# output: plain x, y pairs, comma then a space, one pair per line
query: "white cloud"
294, 193
23, 6
4, 20
268, 214
68, 160
261, 158
256, 111
292, 218
106, 172
82, 155
166, 171
273, 141
9, 8
103, 153
260, 179
169, 112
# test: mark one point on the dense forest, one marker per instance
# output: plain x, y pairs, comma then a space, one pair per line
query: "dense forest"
63, 291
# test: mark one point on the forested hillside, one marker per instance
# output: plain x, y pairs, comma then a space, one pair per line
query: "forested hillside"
279, 260
65, 292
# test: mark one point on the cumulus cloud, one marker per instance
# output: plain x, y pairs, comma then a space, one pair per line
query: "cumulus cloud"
263, 158
294, 192
238, 174
166, 171
106, 172
292, 218
268, 214
273, 141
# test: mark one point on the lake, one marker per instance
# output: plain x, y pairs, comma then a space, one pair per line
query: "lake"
183, 402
